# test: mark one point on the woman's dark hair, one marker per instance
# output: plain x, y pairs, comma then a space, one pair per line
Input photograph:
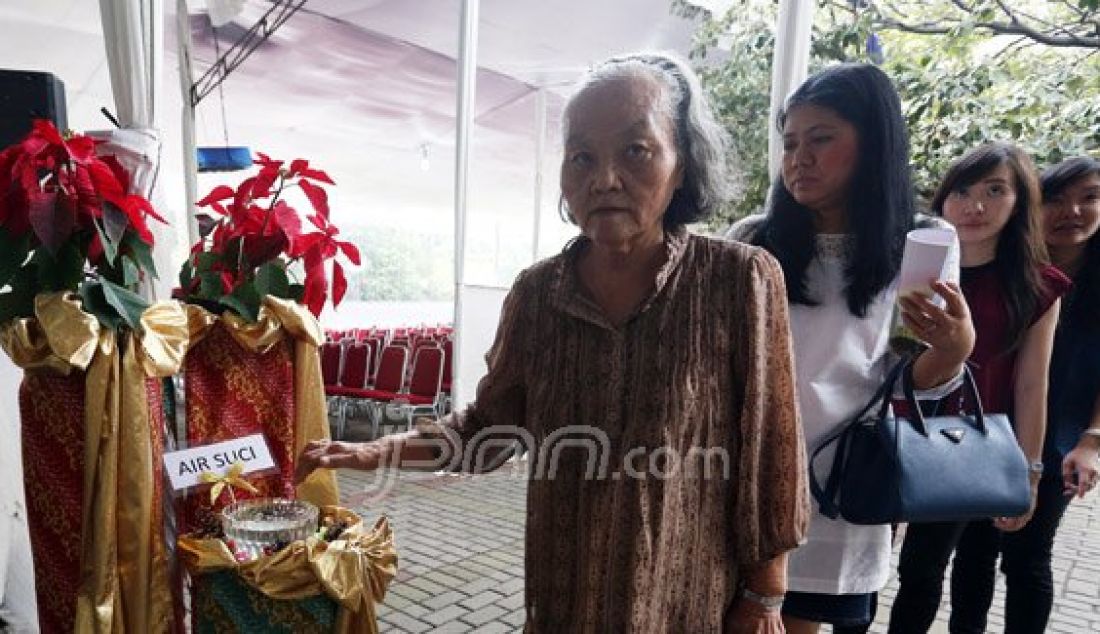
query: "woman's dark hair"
880, 196
1021, 252
701, 142
1083, 304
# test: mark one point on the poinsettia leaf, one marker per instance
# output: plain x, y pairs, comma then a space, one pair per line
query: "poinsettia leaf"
351, 251
138, 225
51, 220
216, 195
296, 167
95, 302
245, 301
261, 187
297, 291
104, 244
317, 175
111, 227
13, 254
339, 284
131, 274
308, 242
210, 285
205, 261
227, 281
114, 222
187, 274
61, 271
287, 218
316, 291
243, 195
142, 254
121, 175
317, 196
106, 182
128, 304
271, 279
141, 204
206, 224
18, 300
265, 160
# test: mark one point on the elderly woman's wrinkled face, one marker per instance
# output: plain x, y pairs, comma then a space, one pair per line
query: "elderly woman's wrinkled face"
620, 166
820, 155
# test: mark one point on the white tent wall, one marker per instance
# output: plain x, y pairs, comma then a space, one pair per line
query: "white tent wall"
17, 601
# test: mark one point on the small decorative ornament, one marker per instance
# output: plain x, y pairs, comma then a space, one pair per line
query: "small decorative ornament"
232, 478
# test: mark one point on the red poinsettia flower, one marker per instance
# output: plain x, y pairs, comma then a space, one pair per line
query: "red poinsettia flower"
316, 249
53, 186
255, 226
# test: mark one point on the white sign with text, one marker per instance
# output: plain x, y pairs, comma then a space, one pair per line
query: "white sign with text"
185, 466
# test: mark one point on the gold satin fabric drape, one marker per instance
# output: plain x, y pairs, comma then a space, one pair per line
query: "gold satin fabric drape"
354, 570
280, 318
123, 565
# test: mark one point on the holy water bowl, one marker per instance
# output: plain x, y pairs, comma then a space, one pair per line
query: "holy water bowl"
256, 524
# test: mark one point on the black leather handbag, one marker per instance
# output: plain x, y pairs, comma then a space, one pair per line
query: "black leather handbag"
889, 469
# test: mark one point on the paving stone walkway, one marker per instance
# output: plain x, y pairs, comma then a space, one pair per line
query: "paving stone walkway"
460, 542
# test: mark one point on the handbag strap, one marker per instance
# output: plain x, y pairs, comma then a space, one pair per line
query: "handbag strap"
969, 386
826, 496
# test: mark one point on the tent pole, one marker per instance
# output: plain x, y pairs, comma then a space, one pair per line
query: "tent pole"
464, 112
790, 63
187, 117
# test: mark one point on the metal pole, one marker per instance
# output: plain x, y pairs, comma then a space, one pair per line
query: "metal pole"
464, 115
540, 144
187, 116
790, 63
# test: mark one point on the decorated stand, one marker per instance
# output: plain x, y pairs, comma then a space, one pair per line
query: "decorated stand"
253, 370
73, 244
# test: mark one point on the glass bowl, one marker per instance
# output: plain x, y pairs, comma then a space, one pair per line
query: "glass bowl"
259, 523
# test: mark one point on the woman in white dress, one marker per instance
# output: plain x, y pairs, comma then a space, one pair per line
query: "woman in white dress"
836, 221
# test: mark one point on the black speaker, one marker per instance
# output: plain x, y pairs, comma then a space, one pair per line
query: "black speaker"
27, 95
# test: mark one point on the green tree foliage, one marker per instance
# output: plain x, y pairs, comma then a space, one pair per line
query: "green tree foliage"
962, 76
400, 265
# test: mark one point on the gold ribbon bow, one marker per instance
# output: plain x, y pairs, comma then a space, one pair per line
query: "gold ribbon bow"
232, 478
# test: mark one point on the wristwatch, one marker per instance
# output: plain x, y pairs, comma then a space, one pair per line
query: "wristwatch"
1036, 468
771, 603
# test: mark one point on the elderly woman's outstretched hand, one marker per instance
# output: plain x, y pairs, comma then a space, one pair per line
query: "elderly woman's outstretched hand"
328, 454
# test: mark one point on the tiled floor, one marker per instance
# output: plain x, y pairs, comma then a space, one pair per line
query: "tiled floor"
460, 540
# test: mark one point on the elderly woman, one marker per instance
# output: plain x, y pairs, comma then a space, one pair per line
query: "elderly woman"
668, 355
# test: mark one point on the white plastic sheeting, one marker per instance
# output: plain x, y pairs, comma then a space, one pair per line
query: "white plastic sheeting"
133, 36
16, 571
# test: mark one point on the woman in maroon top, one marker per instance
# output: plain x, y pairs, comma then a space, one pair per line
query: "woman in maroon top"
991, 196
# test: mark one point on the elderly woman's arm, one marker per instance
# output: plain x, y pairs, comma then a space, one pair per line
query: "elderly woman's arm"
500, 402
773, 508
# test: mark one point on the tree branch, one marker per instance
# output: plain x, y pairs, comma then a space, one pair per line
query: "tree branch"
1065, 41
1088, 36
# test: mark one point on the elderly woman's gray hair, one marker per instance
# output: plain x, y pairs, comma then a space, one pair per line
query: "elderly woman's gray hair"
702, 143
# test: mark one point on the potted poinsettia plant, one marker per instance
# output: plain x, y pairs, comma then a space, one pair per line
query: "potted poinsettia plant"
74, 245
68, 222
252, 243
257, 280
